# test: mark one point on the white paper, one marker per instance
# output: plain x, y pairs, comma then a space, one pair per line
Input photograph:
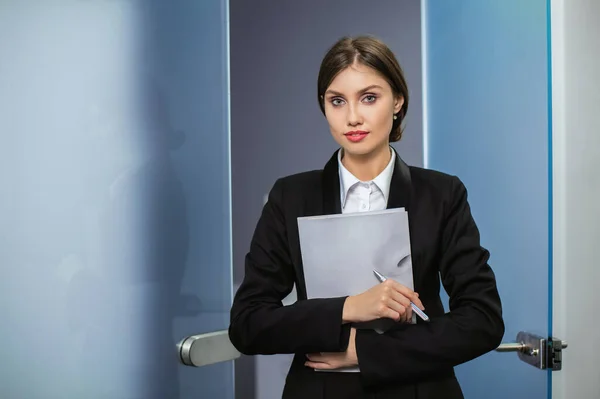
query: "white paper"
340, 252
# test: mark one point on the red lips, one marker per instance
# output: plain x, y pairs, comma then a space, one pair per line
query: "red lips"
356, 135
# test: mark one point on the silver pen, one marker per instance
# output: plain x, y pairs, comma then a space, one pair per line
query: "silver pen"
418, 311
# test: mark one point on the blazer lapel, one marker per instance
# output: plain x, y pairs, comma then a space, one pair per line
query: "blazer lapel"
400, 193
400, 186
331, 186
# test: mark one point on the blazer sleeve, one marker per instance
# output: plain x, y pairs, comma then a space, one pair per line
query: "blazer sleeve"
259, 323
473, 326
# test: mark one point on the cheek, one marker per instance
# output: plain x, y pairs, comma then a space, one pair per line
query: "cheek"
334, 119
381, 118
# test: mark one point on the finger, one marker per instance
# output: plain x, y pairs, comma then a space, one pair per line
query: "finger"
404, 290
394, 306
408, 293
400, 299
323, 360
391, 314
418, 302
324, 357
403, 319
393, 285
390, 309
403, 302
315, 357
319, 365
409, 314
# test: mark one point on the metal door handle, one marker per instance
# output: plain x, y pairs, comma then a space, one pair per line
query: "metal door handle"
540, 352
518, 347
521, 347
204, 349
512, 347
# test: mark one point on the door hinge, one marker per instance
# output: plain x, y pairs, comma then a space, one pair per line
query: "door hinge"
554, 353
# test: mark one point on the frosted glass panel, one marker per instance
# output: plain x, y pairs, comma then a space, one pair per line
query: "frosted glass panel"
115, 209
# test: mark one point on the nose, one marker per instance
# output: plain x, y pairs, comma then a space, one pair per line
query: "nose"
354, 117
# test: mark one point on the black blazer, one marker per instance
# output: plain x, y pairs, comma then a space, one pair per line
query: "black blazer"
410, 361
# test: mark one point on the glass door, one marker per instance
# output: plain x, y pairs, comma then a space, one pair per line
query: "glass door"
115, 212
487, 107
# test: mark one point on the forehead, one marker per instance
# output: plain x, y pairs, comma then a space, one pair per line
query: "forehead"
355, 78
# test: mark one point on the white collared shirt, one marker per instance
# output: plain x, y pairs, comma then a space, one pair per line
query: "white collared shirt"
359, 196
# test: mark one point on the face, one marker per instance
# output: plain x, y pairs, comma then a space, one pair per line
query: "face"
360, 108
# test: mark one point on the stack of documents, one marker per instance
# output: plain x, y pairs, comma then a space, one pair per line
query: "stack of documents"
340, 252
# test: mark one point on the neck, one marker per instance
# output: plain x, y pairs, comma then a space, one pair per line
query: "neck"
366, 167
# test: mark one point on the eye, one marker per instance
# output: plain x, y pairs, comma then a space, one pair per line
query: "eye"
370, 98
337, 102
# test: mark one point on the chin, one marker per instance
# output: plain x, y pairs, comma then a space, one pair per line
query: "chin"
359, 149
363, 148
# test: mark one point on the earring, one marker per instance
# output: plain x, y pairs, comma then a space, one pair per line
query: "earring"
395, 117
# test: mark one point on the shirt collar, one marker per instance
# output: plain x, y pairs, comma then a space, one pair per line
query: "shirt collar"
382, 181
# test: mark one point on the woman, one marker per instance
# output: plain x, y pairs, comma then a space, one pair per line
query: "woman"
364, 97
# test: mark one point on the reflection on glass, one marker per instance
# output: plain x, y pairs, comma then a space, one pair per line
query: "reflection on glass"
118, 215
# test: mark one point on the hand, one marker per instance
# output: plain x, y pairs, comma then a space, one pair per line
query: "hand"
389, 299
335, 360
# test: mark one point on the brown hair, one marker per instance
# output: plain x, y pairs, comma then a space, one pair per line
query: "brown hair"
371, 52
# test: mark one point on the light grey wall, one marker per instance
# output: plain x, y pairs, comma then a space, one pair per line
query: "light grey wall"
276, 125
576, 97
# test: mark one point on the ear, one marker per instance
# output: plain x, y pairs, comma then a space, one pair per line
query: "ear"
398, 103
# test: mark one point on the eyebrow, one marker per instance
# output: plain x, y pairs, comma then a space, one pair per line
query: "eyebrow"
362, 91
